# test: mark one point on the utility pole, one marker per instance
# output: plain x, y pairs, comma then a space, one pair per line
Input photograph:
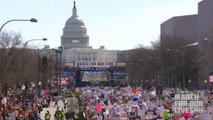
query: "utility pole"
58, 70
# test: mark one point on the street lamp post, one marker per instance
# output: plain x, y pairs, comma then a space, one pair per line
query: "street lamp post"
183, 64
60, 55
23, 49
25, 44
31, 20
58, 73
42, 65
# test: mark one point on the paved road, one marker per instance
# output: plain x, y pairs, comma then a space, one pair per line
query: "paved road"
51, 109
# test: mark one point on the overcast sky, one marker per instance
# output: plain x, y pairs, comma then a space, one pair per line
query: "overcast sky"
116, 24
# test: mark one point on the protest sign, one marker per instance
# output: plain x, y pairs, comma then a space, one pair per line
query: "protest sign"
72, 103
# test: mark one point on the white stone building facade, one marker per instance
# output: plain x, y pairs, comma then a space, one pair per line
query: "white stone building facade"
74, 33
75, 45
87, 57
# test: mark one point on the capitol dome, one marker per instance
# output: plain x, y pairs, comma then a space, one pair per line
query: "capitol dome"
74, 32
73, 21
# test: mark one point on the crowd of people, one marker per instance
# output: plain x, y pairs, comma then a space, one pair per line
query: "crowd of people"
22, 105
128, 103
104, 103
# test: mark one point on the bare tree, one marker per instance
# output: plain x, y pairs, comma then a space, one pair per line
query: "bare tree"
143, 64
20, 64
179, 63
10, 44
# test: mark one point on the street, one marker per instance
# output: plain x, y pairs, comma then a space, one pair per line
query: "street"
51, 109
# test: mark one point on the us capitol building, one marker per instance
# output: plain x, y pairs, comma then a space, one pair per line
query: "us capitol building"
76, 49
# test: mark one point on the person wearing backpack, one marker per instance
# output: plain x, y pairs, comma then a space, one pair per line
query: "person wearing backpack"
47, 116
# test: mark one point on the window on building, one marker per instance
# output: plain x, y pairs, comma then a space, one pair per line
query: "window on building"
75, 41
